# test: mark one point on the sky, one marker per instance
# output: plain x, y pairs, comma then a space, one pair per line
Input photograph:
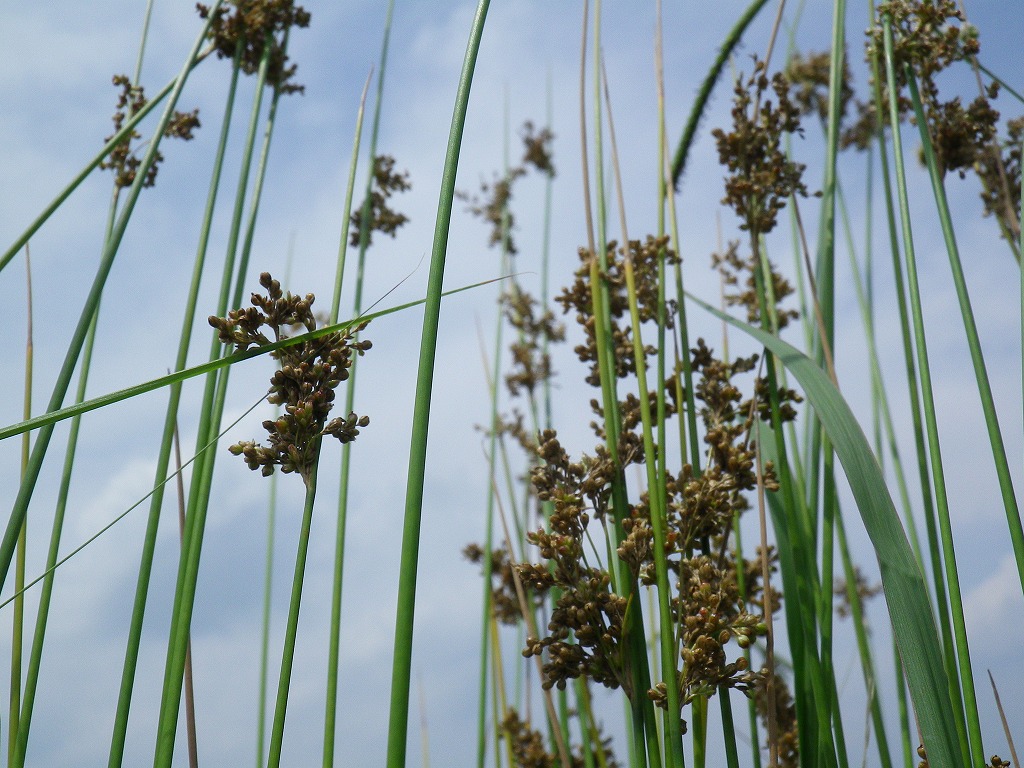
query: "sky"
57, 106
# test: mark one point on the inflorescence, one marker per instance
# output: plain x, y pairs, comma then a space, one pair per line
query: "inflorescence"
304, 384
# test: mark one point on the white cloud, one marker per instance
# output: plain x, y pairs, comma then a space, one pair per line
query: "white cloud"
994, 609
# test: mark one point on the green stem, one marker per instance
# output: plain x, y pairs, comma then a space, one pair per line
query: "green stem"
268, 570
921, 453
334, 647
1002, 465
291, 630
402, 665
962, 686
15, 725
860, 630
20, 731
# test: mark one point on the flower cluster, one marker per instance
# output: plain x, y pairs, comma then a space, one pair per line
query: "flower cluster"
492, 204
122, 160
995, 762
527, 745
999, 172
774, 703
761, 176
864, 590
709, 595
809, 78
740, 277
252, 27
386, 182
504, 598
304, 384
927, 39
578, 297
531, 363
586, 624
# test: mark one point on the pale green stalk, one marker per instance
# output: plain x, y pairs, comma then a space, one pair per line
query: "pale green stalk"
268, 569
402, 663
190, 694
880, 399
142, 42
291, 630
863, 646
334, 648
906, 595
17, 645
732, 759
795, 541
689, 452
21, 718
825, 301
334, 644
19, 587
907, 344
642, 749
741, 585
545, 268
268, 577
487, 609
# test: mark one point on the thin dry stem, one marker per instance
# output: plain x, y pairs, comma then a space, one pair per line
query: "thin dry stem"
619, 196
190, 695
1002, 716
819, 322
585, 165
775, 31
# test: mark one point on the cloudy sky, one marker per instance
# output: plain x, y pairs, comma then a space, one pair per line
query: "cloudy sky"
57, 106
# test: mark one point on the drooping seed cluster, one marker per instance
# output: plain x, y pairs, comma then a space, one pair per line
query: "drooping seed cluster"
528, 750
386, 182
122, 159
304, 384
492, 203
578, 298
929, 38
531, 363
586, 630
761, 176
253, 26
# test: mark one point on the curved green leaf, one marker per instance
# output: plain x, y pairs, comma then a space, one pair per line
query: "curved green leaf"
905, 594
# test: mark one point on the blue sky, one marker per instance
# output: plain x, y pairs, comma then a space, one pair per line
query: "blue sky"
57, 106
